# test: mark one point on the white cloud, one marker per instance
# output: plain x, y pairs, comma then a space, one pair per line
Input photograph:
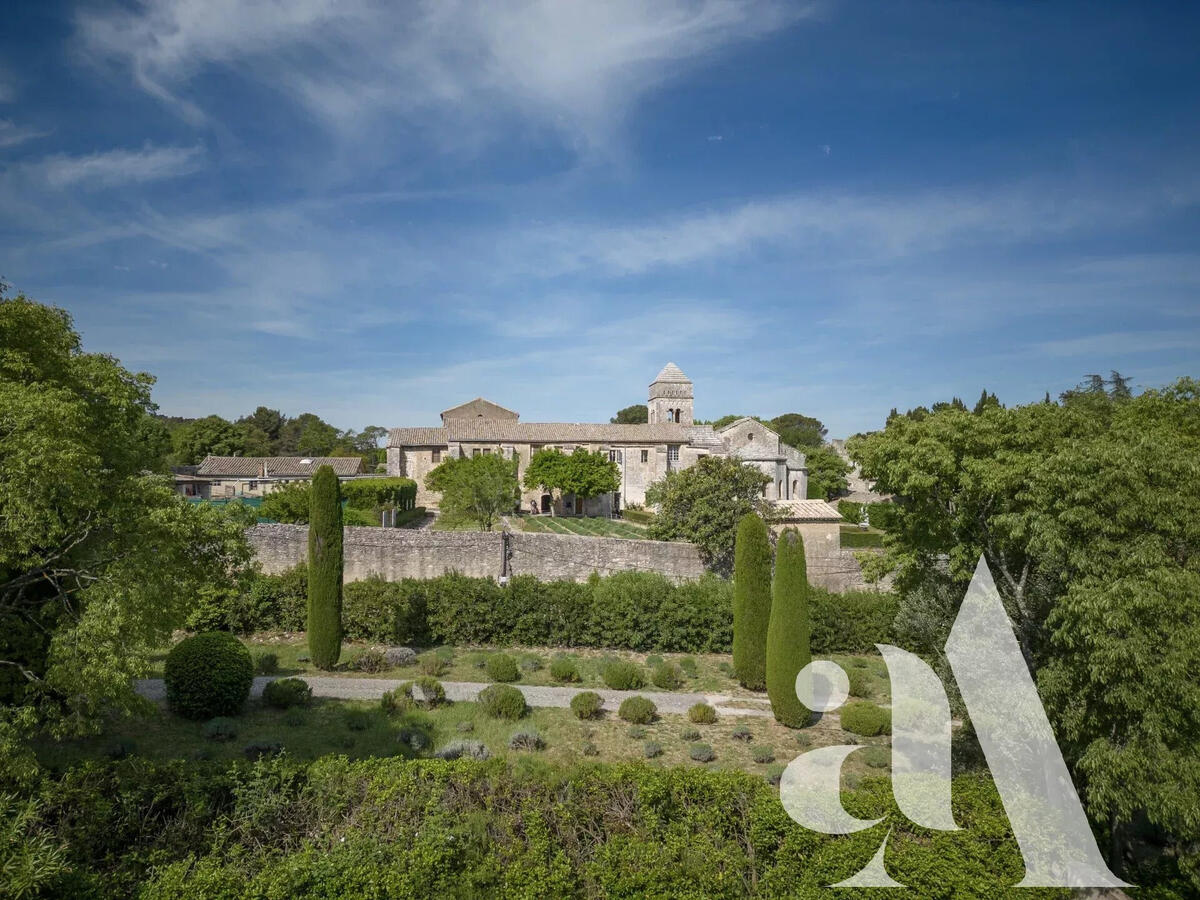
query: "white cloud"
1121, 344
12, 134
116, 167
574, 66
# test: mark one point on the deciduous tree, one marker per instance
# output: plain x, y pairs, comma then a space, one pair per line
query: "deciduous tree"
476, 489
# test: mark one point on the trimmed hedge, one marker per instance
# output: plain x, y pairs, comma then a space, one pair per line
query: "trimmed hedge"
371, 493
587, 705
788, 634
284, 693
325, 570
867, 719
622, 675
853, 539
502, 667
503, 701
751, 601
638, 710
702, 714
208, 675
879, 515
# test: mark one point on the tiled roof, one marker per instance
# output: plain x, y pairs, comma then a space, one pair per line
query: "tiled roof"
477, 408
671, 372
806, 511
276, 466
500, 431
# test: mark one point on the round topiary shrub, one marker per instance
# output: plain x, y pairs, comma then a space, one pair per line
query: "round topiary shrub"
564, 670
688, 665
638, 710
876, 757
400, 656
667, 676
266, 663
763, 755
208, 675
702, 714
689, 734
432, 665
469, 749
587, 705
860, 684
867, 719
652, 750
425, 692
370, 661
502, 701
286, 693
220, 729
526, 740
621, 675
502, 668
742, 733
701, 753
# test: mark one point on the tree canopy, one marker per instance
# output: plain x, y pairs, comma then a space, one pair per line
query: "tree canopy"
638, 414
581, 473
475, 489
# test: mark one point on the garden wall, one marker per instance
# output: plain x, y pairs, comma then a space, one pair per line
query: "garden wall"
396, 553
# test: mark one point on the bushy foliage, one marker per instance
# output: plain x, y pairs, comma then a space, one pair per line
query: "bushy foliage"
425, 692
564, 670
689, 734
860, 683
762, 755
751, 602
325, 570
475, 489
400, 656
742, 733
284, 693
652, 750
503, 701
702, 753
622, 675
372, 493
702, 714
502, 667
266, 663
853, 622
464, 749
526, 740
384, 611
638, 710
221, 728
788, 633
867, 719
208, 675
667, 676
587, 705
371, 661
879, 515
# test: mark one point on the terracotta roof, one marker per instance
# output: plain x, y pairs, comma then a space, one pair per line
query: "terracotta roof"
501, 431
276, 466
806, 511
671, 372
479, 408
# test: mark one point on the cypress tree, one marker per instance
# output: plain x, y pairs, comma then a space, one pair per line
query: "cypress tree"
751, 601
325, 570
788, 634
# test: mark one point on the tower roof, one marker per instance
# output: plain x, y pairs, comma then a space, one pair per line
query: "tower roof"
671, 373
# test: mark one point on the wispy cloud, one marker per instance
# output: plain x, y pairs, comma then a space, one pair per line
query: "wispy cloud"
12, 134
116, 167
1121, 344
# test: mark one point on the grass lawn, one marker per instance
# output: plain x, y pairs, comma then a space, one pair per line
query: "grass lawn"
713, 673
325, 728
854, 538
588, 526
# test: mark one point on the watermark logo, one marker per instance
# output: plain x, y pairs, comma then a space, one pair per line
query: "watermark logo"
1013, 731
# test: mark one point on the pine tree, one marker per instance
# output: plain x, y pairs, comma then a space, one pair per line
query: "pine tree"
325, 570
751, 601
788, 634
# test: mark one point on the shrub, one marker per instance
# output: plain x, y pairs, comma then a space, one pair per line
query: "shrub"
398, 700
262, 748
587, 705
876, 757
208, 675
284, 693
702, 714
384, 611
788, 632
667, 676
638, 710
370, 661
763, 755
637, 732
371, 493
432, 665
654, 660
502, 701
564, 670
688, 665
526, 740
742, 733
325, 570
400, 656
295, 718
751, 601
502, 668
266, 663
860, 683
689, 734
413, 738
866, 719
853, 622
621, 675
531, 663
357, 719
469, 749
701, 753
428, 691
589, 749
220, 729
652, 750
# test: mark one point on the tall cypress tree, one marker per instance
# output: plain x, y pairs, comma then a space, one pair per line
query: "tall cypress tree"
751, 601
325, 570
788, 634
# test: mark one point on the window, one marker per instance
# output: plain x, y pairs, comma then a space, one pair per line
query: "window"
673, 453
474, 451
670, 415
253, 486
750, 436
614, 456
645, 456
436, 455
487, 451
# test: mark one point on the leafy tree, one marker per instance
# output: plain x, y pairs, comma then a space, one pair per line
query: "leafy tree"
985, 400
99, 562
826, 473
476, 489
751, 602
254, 441
638, 414
210, 435
269, 421
788, 632
582, 473
801, 432
309, 435
544, 471
325, 570
289, 503
704, 503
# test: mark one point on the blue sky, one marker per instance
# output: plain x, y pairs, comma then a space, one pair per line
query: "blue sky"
376, 210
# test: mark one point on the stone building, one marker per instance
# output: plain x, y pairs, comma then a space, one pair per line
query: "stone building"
643, 453
227, 477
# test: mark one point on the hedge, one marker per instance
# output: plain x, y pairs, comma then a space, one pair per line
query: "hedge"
858, 540
415, 829
630, 611
788, 634
208, 675
879, 515
325, 570
751, 601
373, 493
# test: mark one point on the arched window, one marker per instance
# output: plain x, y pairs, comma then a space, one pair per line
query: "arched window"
679, 415
670, 415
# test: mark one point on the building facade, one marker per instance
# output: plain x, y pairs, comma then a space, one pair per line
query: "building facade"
229, 477
643, 453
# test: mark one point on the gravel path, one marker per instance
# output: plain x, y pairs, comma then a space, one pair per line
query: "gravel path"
535, 695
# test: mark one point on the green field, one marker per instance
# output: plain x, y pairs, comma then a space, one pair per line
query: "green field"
588, 526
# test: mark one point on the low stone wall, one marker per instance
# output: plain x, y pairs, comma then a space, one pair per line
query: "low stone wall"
396, 553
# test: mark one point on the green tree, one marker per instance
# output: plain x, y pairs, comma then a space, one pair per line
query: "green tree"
985, 400
309, 435
99, 562
827, 473
210, 435
254, 441
751, 601
544, 471
800, 431
325, 570
638, 414
581, 473
270, 422
476, 489
704, 503
289, 503
789, 630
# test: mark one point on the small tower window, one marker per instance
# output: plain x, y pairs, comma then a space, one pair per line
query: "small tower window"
670, 415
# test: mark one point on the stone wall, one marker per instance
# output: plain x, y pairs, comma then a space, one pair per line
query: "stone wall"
396, 553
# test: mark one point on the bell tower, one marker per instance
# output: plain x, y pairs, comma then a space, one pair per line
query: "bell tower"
671, 397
